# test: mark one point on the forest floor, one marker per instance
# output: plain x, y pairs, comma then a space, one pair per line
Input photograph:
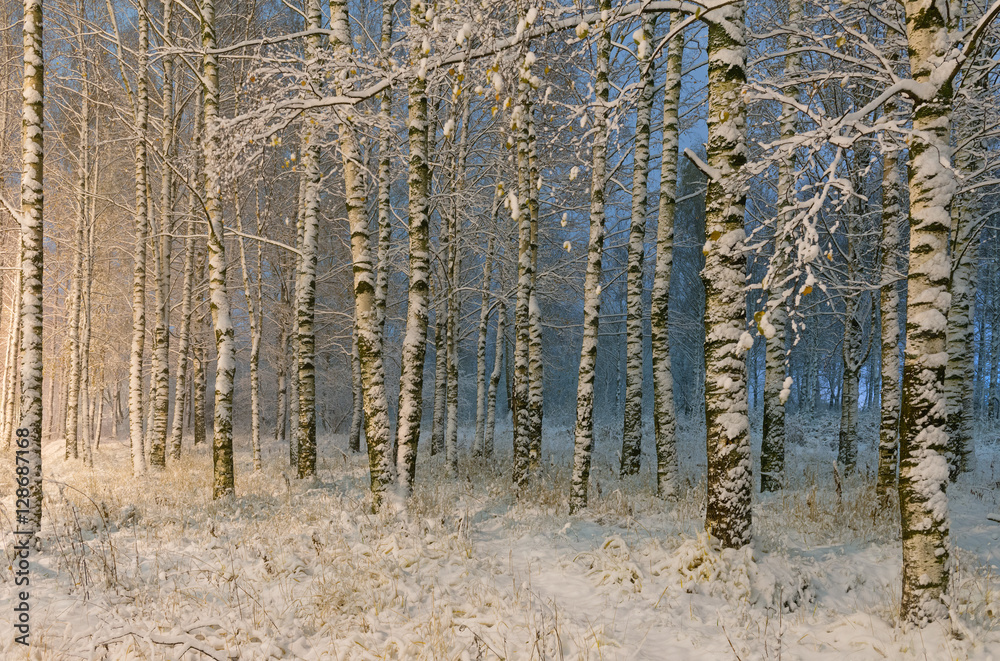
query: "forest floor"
148, 568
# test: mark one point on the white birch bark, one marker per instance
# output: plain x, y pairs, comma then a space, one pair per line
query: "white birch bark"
730, 482
368, 324
663, 395
584, 433
632, 424
136, 435
254, 315
484, 324
491, 394
536, 367
772, 452
888, 449
32, 234
414, 342
161, 334
223, 482
184, 332
923, 468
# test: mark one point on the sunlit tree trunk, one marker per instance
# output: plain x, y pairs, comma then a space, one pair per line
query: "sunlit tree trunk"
368, 324
184, 332
584, 433
141, 232
536, 365
223, 483
730, 482
254, 315
32, 234
161, 334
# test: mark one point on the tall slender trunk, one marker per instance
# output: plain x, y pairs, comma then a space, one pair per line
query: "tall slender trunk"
632, 423
484, 324
491, 394
440, 369
772, 452
29, 441
76, 306
141, 231
923, 468
281, 387
184, 332
305, 287
368, 322
584, 433
254, 315
223, 483
357, 397
663, 382
536, 367
412, 361
888, 448
730, 480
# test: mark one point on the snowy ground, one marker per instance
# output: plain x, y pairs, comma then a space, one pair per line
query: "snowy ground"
139, 569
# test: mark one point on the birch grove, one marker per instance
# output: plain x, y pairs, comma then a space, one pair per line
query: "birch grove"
691, 217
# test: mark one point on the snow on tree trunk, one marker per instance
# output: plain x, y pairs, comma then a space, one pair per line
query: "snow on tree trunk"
161, 335
281, 386
584, 433
368, 326
411, 380
484, 325
384, 177
223, 480
923, 468
135, 390
663, 395
32, 235
730, 481
491, 394
888, 448
522, 330
632, 424
772, 451
76, 306
965, 237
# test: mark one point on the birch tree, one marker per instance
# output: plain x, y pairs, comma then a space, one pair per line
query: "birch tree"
663, 395
632, 425
584, 433
32, 235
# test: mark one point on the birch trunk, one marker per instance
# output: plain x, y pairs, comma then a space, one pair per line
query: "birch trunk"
535, 359
368, 324
663, 395
772, 451
923, 468
76, 306
730, 482
161, 336
491, 394
254, 316
888, 448
141, 230
584, 433
184, 332
412, 361
484, 324
29, 431
281, 386
223, 483
357, 399
440, 369
632, 424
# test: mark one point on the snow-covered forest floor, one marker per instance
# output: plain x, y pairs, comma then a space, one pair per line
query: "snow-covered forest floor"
141, 568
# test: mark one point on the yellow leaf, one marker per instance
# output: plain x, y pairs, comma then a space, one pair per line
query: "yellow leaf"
757, 315
714, 236
807, 290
